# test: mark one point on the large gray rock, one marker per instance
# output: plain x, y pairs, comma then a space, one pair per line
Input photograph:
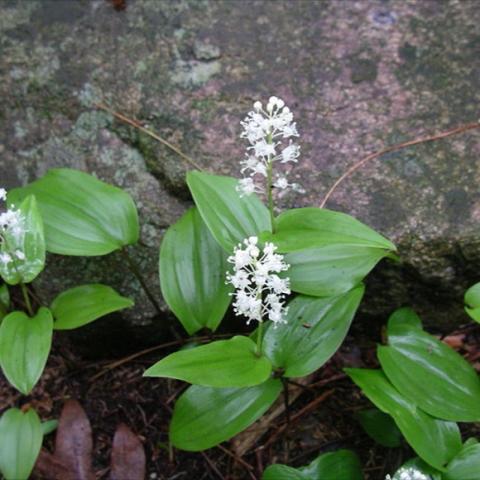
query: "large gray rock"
358, 75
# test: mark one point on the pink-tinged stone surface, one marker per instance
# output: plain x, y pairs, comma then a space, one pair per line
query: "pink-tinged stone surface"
359, 75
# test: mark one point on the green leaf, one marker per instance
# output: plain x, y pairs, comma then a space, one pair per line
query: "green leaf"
24, 347
321, 227
49, 426
81, 305
380, 427
404, 316
431, 374
20, 442
466, 465
339, 465
224, 363
192, 274
329, 252
315, 329
472, 301
82, 215
230, 217
419, 429
204, 416
418, 466
31, 243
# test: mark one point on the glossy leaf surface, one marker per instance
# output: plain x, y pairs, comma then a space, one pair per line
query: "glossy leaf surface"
419, 429
81, 305
229, 217
204, 416
466, 465
314, 331
381, 427
431, 374
24, 347
224, 363
472, 302
192, 274
82, 215
339, 465
21, 438
329, 252
30, 244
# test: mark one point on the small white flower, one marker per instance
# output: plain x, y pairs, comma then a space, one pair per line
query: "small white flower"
257, 106
3, 194
5, 258
290, 153
19, 254
246, 186
281, 183
409, 473
259, 292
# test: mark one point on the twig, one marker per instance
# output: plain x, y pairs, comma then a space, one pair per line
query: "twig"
212, 466
313, 404
173, 343
140, 127
236, 458
393, 148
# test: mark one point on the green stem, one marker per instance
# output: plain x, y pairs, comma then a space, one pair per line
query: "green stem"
136, 271
27, 299
259, 338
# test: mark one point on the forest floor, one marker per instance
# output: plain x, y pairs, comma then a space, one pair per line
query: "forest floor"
321, 419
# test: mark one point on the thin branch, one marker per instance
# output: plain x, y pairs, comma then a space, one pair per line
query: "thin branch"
140, 127
394, 148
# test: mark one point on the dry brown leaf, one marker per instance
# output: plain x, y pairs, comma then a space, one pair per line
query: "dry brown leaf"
128, 456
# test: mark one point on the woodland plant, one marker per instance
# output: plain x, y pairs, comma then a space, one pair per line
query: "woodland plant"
295, 276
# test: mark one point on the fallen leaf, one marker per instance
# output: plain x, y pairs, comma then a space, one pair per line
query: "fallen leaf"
128, 456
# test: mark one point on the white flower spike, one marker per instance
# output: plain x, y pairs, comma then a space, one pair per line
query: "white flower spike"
265, 129
409, 473
259, 291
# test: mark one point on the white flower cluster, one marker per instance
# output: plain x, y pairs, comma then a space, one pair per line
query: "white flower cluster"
267, 129
12, 230
409, 474
260, 292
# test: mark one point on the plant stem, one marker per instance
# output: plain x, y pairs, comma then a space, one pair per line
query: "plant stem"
259, 338
270, 194
27, 299
136, 271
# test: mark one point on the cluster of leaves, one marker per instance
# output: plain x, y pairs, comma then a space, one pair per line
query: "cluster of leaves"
70, 213
424, 387
234, 381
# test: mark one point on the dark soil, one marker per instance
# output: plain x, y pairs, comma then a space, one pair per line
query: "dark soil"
111, 394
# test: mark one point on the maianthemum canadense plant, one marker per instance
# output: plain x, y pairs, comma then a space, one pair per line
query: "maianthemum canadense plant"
69, 213
296, 277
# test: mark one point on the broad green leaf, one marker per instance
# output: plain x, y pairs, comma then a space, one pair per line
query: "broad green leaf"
24, 347
283, 472
339, 465
314, 331
381, 427
230, 217
192, 274
404, 316
26, 249
466, 465
81, 305
82, 215
419, 429
472, 302
311, 227
20, 442
329, 252
418, 466
431, 374
204, 416
224, 363
330, 270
